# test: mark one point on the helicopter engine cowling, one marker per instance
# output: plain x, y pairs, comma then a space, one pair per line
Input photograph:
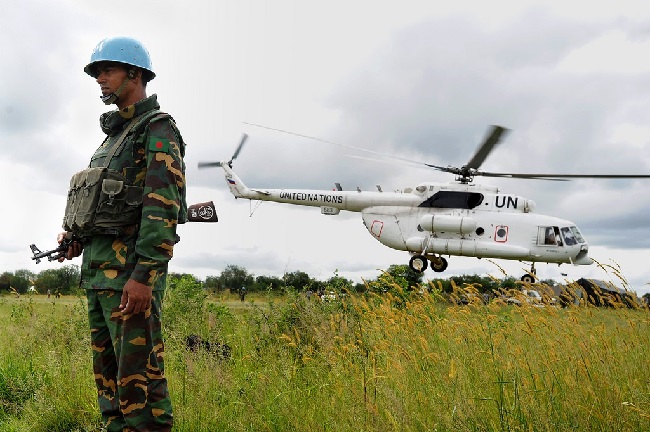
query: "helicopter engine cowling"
461, 247
448, 223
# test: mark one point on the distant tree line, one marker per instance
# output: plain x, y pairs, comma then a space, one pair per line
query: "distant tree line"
397, 276
233, 278
65, 280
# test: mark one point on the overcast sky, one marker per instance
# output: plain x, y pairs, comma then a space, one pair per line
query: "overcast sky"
416, 79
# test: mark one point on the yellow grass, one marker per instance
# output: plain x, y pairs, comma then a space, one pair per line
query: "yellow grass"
366, 363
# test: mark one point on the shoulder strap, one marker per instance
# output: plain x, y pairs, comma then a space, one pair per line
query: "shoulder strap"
134, 124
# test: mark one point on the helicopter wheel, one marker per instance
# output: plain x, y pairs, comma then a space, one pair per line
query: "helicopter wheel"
418, 263
439, 264
528, 278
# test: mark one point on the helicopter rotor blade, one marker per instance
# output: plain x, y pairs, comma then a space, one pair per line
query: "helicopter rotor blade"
234, 156
560, 177
466, 173
520, 176
447, 169
491, 140
209, 164
239, 147
602, 176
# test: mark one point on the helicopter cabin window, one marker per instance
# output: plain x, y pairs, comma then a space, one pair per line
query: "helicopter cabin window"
453, 199
549, 236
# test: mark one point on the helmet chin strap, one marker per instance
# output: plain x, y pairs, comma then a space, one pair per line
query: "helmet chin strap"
112, 97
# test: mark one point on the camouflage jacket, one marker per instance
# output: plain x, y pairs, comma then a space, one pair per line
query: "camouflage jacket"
151, 157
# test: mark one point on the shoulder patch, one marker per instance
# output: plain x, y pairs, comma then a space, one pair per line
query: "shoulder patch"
158, 144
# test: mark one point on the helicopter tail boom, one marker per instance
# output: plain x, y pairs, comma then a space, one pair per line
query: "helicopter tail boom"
237, 187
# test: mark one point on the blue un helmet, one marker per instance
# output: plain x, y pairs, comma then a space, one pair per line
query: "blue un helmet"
123, 50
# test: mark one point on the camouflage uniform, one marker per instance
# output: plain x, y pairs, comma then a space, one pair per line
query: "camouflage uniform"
128, 349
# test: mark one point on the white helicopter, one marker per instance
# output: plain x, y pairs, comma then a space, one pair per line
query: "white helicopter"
450, 219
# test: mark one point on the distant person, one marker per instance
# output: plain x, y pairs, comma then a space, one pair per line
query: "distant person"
242, 293
129, 237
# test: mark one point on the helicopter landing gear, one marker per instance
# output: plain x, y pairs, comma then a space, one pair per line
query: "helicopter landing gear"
439, 264
531, 276
528, 278
418, 263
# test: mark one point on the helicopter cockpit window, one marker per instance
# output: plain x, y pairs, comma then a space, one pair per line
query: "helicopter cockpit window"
576, 234
453, 199
569, 237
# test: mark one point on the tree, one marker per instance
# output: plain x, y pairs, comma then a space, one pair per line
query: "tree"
509, 283
235, 277
69, 276
483, 284
360, 287
443, 285
212, 284
272, 283
64, 280
47, 279
173, 279
398, 277
404, 272
339, 283
297, 280
23, 280
5, 281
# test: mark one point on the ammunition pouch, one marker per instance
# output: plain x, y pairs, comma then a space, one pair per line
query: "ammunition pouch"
101, 201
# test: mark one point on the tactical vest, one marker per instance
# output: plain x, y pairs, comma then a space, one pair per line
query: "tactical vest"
101, 200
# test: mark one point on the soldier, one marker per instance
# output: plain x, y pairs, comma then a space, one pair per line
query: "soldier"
125, 209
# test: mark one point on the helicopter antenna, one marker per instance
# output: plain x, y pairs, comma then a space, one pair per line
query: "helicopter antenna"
333, 143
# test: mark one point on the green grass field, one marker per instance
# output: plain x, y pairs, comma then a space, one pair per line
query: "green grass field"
375, 363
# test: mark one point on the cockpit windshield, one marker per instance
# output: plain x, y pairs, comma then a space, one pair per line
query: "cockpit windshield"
569, 238
550, 236
573, 233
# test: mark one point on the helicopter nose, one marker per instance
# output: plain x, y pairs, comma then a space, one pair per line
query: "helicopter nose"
583, 258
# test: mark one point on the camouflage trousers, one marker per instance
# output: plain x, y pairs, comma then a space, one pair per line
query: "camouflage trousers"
128, 364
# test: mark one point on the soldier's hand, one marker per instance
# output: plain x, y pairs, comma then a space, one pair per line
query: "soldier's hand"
136, 297
74, 250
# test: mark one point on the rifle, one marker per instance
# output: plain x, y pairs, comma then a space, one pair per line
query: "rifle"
54, 254
201, 212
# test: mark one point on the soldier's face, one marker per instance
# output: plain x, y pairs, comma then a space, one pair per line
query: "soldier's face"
110, 76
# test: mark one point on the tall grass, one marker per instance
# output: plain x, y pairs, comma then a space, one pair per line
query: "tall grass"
45, 368
392, 362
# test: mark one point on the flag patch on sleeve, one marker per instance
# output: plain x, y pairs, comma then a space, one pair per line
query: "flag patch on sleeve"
158, 144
